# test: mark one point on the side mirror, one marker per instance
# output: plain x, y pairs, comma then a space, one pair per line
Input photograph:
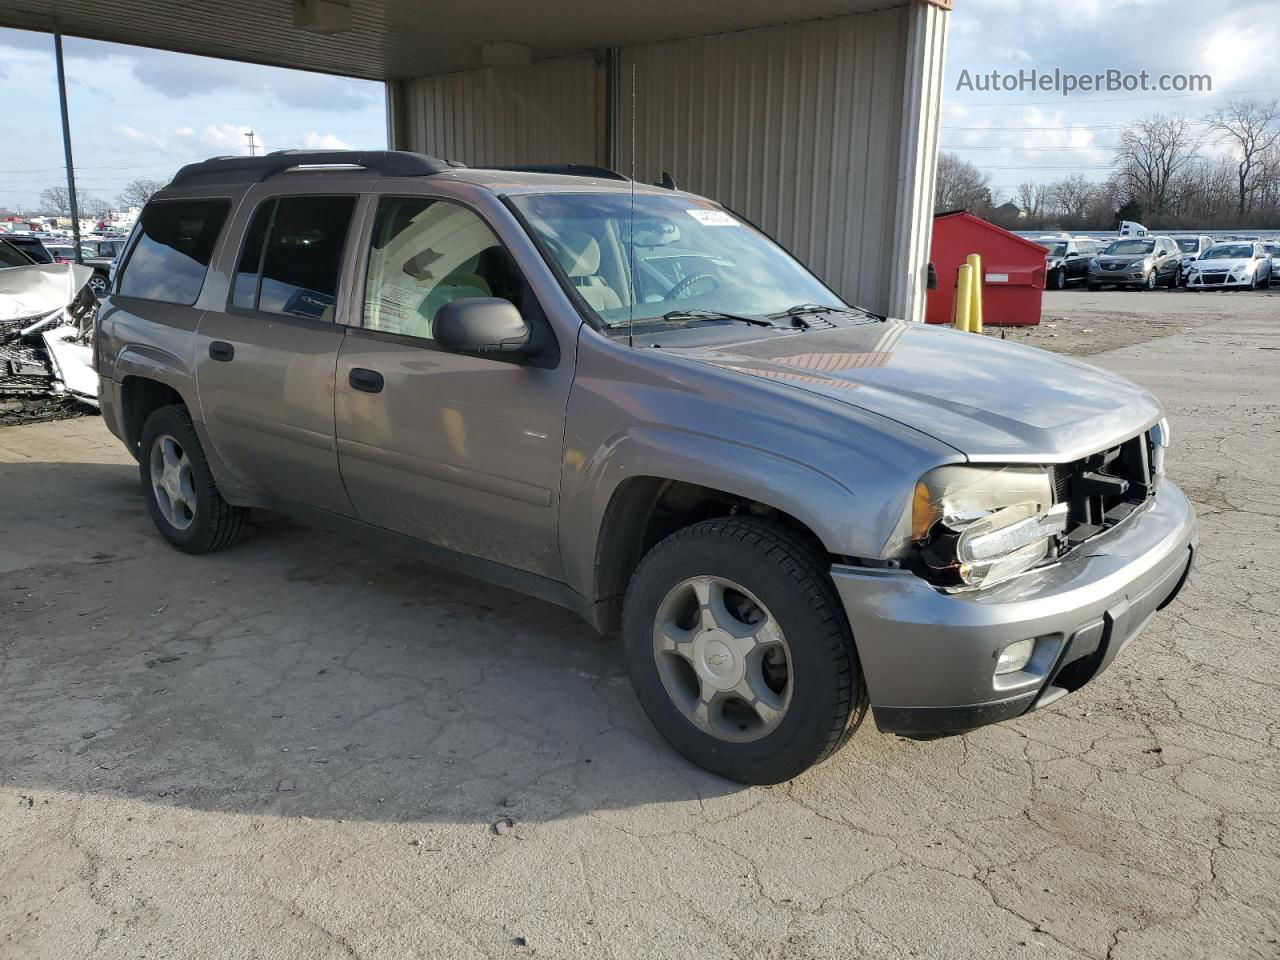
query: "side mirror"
931, 278
482, 325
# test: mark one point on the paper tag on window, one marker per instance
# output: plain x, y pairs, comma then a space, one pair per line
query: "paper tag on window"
712, 218
405, 296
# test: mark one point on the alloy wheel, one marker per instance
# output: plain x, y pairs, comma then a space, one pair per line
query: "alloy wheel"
723, 659
173, 482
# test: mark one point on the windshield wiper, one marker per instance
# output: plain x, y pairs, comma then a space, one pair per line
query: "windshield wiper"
801, 310
716, 315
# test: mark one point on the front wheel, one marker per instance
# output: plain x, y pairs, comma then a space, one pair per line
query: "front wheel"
1150, 282
98, 284
740, 652
1059, 280
181, 495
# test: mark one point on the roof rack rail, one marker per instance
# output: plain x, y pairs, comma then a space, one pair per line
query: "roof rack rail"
386, 163
565, 169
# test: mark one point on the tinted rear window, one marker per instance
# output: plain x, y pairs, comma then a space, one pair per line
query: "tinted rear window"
175, 245
10, 257
292, 256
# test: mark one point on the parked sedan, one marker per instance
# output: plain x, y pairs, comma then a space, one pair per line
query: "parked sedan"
1231, 266
1141, 262
1067, 261
1191, 247
1273, 250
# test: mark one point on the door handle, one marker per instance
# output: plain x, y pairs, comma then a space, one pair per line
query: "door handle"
221, 350
369, 381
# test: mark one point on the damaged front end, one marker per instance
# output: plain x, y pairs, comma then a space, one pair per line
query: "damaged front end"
46, 342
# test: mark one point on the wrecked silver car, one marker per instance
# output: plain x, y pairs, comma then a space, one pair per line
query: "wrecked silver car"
46, 342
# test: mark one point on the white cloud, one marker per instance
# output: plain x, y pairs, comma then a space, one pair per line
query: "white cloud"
324, 141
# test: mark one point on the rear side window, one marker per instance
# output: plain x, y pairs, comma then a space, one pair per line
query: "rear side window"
292, 256
175, 245
10, 257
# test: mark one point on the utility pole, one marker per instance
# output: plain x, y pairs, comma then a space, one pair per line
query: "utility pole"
253, 147
66, 148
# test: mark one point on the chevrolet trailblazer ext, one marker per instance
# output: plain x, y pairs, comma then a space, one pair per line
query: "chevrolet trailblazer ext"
626, 400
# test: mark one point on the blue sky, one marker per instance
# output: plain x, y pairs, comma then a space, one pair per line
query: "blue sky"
142, 113
139, 113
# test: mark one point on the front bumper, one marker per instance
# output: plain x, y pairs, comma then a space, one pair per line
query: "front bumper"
1119, 278
928, 657
1244, 284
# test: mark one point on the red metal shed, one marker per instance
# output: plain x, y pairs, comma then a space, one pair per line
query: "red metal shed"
1013, 270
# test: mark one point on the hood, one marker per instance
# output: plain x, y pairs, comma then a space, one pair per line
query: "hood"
1224, 265
989, 399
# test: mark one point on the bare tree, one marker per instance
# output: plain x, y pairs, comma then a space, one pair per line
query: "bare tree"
1249, 128
1072, 195
94, 207
961, 185
55, 200
1033, 198
138, 192
1152, 152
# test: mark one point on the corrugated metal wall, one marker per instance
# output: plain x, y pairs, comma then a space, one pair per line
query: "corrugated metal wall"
798, 128
553, 110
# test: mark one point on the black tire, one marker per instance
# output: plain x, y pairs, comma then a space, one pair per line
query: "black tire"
215, 524
828, 698
1149, 283
1094, 287
1059, 279
98, 284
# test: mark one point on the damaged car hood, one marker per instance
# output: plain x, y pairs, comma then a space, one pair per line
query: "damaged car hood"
30, 292
989, 399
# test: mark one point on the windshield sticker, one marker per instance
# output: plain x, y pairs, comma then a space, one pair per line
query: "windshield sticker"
712, 218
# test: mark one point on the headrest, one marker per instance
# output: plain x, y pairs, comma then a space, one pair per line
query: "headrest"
581, 253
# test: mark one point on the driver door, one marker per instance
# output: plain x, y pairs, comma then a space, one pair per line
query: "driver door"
463, 452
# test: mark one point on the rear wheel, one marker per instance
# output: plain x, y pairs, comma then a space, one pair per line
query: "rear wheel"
740, 652
183, 500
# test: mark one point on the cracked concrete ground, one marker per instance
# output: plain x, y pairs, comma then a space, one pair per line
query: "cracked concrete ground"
300, 748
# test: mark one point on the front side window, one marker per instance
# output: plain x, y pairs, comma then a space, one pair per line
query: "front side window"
174, 247
656, 255
427, 253
291, 258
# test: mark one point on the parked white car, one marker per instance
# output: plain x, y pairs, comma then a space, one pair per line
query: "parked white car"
1273, 250
1234, 266
1192, 245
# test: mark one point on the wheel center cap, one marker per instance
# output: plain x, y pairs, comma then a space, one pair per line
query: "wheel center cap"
717, 660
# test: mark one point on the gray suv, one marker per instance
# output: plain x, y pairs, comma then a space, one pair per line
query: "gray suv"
626, 400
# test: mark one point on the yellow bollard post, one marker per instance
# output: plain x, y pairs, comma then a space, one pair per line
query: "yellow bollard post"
975, 301
964, 296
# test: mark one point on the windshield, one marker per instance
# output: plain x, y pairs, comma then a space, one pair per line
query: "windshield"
1229, 251
1131, 246
1056, 249
1188, 244
682, 255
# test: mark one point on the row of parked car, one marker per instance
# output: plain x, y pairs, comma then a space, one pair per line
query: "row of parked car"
98, 252
1195, 261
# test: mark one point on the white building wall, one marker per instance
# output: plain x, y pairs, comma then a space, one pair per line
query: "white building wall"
551, 111
823, 133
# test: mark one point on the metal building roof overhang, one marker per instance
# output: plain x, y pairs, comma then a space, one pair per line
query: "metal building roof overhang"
386, 39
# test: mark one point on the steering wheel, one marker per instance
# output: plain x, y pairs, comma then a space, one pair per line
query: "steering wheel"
682, 286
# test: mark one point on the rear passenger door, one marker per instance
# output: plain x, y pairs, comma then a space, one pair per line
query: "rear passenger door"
265, 362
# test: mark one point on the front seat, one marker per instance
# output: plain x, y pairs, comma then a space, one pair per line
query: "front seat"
580, 257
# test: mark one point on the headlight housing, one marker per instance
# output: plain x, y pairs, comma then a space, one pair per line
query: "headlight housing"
976, 526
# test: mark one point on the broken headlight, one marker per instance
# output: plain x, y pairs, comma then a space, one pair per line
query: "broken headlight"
976, 526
